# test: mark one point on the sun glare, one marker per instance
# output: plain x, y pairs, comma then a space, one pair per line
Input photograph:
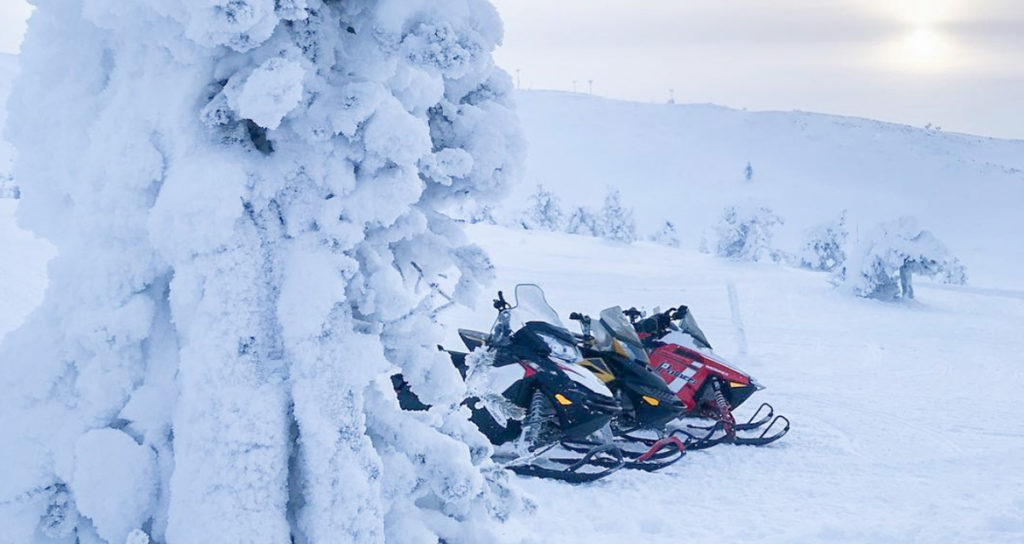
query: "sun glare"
923, 49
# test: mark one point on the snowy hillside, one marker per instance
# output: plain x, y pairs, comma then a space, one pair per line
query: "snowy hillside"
686, 162
900, 434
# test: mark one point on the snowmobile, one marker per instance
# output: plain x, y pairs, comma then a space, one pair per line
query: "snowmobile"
547, 400
706, 385
616, 355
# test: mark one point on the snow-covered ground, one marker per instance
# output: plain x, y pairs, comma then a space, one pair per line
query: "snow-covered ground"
907, 426
906, 421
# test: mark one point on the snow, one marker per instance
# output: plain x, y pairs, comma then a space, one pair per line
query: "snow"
113, 482
900, 433
685, 163
272, 90
907, 424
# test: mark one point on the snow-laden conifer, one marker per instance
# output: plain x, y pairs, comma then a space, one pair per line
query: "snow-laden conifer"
744, 232
544, 212
667, 235
824, 244
248, 199
891, 254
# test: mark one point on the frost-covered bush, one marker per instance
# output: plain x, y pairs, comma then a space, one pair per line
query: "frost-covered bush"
616, 221
583, 221
247, 199
612, 222
544, 212
667, 235
823, 245
744, 233
888, 257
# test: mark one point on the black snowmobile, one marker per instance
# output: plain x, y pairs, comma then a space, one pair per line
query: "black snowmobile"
531, 395
616, 355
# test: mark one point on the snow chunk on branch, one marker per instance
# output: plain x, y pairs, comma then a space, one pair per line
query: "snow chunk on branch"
270, 92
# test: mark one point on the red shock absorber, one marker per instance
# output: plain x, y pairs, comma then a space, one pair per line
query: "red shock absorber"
722, 411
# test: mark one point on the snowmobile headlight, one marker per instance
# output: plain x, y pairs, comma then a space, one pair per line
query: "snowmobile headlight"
562, 399
651, 400
736, 384
561, 350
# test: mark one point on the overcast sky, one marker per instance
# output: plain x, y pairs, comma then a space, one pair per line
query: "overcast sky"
958, 64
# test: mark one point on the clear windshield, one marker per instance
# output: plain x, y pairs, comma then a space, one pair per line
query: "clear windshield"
616, 327
688, 325
530, 305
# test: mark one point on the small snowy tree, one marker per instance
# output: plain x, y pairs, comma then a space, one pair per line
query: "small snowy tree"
886, 261
748, 172
583, 221
744, 233
544, 212
615, 222
247, 196
667, 235
823, 245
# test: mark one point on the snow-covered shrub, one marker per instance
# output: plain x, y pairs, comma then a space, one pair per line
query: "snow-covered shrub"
612, 222
889, 256
667, 235
616, 221
823, 245
544, 212
583, 221
247, 197
744, 233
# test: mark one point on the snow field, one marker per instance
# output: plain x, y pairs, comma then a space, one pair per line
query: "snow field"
907, 425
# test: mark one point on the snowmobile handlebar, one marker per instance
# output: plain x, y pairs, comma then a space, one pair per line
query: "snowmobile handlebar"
633, 314
500, 303
584, 324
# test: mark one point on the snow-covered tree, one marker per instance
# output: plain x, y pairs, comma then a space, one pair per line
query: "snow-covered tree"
887, 259
667, 235
823, 245
745, 233
612, 222
616, 221
544, 212
247, 196
583, 221
748, 172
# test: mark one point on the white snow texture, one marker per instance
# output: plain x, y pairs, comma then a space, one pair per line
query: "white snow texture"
246, 200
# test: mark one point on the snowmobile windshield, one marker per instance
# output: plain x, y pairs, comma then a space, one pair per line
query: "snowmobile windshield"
688, 325
531, 305
617, 334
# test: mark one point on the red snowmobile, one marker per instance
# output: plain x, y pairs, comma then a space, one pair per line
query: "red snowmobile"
707, 385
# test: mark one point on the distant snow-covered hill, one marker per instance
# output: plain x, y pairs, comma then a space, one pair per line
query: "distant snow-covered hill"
686, 162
